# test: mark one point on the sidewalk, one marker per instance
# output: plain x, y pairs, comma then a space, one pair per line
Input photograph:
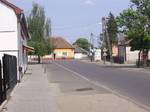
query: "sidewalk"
33, 94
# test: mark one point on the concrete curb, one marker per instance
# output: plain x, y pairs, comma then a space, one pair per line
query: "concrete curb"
3, 105
7, 100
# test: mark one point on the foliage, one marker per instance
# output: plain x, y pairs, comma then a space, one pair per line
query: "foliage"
112, 29
134, 22
48, 28
38, 28
83, 43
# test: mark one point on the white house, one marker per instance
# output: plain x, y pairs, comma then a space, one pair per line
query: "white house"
13, 34
125, 53
97, 55
80, 53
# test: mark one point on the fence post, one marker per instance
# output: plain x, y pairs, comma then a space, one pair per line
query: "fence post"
4, 77
1, 85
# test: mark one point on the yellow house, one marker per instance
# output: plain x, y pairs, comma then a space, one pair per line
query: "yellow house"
62, 48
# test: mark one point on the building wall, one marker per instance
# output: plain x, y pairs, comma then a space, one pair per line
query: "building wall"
8, 29
22, 52
78, 56
128, 55
11, 41
64, 53
131, 56
115, 50
8, 32
97, 56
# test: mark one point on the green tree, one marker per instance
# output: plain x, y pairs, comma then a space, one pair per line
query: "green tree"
112, 29
38, 28
83, 43
135, 23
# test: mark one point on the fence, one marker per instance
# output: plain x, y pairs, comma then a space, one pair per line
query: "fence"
8, 75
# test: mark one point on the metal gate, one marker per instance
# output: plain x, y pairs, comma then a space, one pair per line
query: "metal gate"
8, 75
10, 71
2, 86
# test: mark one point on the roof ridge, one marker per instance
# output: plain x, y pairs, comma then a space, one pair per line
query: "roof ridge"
60, 42
14, 7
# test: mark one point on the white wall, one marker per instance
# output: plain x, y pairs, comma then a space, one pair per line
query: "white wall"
8, 29
78, 56
131, 56
97, 56
8, 32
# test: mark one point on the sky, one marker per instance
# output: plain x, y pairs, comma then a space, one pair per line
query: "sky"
72, 19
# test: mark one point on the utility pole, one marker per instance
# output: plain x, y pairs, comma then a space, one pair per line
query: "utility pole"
91, 40
105, 31
92, 47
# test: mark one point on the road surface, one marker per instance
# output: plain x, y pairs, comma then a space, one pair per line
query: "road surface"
132, 84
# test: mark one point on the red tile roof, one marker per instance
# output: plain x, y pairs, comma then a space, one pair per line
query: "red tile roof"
20, 15
15, 8
60, 43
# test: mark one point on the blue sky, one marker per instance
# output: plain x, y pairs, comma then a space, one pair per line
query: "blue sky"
72, 19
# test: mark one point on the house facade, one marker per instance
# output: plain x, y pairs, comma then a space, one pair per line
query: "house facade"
62, 48
126, 54
14, 34
80, 53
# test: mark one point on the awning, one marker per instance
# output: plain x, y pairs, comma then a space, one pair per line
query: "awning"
28, 48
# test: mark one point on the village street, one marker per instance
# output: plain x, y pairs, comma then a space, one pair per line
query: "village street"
132, 84
75, 56
75, 86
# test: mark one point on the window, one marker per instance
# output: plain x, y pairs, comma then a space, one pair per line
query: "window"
64, 53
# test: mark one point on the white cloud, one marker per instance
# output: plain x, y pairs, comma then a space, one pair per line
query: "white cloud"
88, 2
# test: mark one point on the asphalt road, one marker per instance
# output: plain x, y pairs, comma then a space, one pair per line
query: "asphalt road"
71, 83
132, 84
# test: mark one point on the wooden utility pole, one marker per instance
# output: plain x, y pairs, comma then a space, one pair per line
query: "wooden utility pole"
92, 47
105, 31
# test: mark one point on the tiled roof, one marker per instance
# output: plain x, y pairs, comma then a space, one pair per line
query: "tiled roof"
80, 50
125, 42
60, 43
15, 8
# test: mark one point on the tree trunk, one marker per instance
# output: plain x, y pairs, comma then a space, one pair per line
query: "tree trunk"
139, 59
139, 56
39, 59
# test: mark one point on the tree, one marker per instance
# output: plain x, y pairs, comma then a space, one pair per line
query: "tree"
112, 29
48, 32
39, 29
135, 23
83, 43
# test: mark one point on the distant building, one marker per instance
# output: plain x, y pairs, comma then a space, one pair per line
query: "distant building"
14, 34
125, 53
97, 55
62, 48
80, 53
